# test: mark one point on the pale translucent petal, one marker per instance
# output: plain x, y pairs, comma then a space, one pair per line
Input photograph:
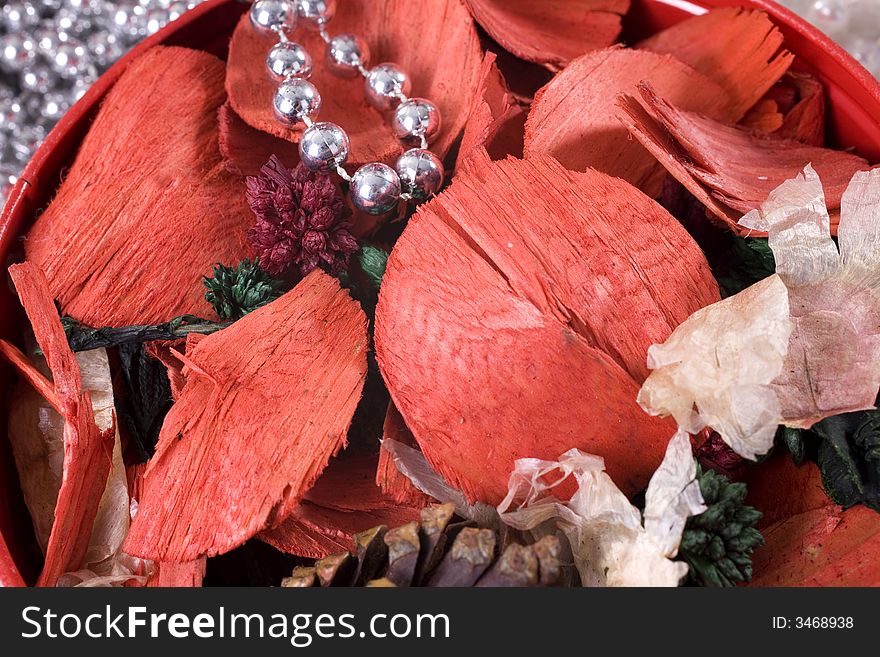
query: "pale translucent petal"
799, 230
609, 544
716, 368
413, 465
36, 433
673, 495
859, 231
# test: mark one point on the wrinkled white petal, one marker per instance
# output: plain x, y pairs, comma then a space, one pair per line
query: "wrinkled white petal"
799, 230
831, 359
716, 368
610, 545
413, 465
673, 495
858, 234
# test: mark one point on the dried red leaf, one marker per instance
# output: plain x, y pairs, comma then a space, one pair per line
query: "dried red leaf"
434, 41
550, 32
496, 121
811, 541
764, 117
87, 450
245, 149
728, 168
573, 118
178, 575
740, 49
147, 208
388, 477
266, 403
805, 121
344, 501
538, 291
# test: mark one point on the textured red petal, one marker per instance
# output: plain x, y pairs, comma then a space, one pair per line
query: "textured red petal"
87, 450
343, 502
730, 169
515, 316
496, 121
434, 41
741, 50
147, 208
178, 575
245, 149
266, 403
388, 477
574, 117
550, 32
805, 122
811, 541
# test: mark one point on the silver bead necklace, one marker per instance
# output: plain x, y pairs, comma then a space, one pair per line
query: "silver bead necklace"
375, 188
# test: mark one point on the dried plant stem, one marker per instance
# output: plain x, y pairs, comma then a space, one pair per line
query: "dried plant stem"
83, 338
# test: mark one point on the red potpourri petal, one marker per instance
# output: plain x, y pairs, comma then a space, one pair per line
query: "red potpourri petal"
266, 404
496, 121
147, 208
344, 501
810, 540
550, 32
515, 316
388, 477
730, 169
739, 49
574, 117
87, 449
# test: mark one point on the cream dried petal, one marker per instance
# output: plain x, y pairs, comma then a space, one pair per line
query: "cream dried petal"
610, 545
858, 235
797, 221
716, 368
36, 433
673, 495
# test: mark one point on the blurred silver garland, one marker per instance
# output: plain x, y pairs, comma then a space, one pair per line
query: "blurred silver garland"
52, 50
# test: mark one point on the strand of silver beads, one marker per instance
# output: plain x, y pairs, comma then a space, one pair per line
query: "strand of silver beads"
375, 188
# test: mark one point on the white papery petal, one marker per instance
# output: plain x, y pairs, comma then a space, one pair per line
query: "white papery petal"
610, 545
859, 231
413, 465
796, 218
716, 368
673, 495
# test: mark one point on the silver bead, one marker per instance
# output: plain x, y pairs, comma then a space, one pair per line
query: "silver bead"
295, 99
323, 147
346, 53
421, 173
289, 60
316, 12
375, 188
269, 15
414, 119
384, 86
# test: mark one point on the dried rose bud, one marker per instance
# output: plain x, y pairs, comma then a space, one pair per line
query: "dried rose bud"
302, 221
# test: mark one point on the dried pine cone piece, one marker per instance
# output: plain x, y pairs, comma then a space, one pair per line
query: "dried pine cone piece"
437, 552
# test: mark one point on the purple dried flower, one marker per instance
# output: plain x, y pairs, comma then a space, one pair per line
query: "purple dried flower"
302, 222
